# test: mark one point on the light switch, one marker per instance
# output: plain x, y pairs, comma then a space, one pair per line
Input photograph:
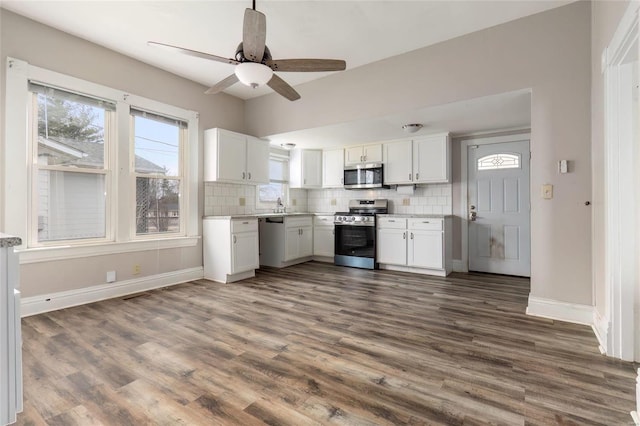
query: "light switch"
563, 166
547, 191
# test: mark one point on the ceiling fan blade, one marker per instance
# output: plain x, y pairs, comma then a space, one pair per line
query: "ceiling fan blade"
195, 53
254, 35
307, 65
222, 84
283, 88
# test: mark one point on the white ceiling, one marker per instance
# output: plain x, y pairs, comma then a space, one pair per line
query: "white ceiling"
360, 32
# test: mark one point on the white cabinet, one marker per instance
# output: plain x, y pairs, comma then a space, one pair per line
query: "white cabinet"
230, 248
305, 168
235, 158
420, 244
323, 236
431, 159
363, 154
285, 240
417, 161
333, 168
398, 162
298, 238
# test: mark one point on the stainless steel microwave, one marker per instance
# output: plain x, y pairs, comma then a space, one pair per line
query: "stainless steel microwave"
363, 176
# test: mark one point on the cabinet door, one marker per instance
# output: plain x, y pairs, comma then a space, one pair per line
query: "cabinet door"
333, 168
231, 156
425, 249
353, 155
431, 159
305, 242
292, 235
244, 252
372, 153
311, 169
397, 166
323, 241
392, 246
257, 161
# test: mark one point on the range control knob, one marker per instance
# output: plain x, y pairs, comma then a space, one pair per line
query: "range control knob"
353, 218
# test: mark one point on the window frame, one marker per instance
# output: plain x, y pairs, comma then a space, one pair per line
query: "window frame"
18, 181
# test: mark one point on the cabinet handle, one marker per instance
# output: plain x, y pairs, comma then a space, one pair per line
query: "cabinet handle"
243, 175
412, 235
409, 176
417, 174
391, 220
245, 223
305, 181
249, 173
404, 235
234, 239
342, 180
426, 221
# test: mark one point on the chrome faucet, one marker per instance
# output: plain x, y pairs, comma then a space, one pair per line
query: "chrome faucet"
280, 208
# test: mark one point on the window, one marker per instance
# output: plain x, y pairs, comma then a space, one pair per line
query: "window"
157, 142
80, 176
499, 161
278, 186
70, 144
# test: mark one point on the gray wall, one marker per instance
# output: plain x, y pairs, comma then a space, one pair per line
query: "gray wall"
605, 19
550, 53
48, 48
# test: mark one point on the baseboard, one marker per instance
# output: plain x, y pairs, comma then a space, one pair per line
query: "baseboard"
563, 311
636, 417
65, 299
458, 266
601, 330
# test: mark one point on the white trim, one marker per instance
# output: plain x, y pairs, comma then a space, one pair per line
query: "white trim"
601, 327
458, 265
621, 223
48, 254
563, 311
636, 414
465, 143
50, 302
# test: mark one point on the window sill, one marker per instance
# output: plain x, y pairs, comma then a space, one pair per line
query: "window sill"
48, 254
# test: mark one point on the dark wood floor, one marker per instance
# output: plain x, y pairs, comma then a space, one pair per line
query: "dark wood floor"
318, 344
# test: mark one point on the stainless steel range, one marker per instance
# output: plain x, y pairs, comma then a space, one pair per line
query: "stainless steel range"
355, 233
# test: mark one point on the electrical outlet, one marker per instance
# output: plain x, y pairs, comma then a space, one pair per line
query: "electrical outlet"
294, 202
111, 276
406, 201
334, 202
242, 201
136, 269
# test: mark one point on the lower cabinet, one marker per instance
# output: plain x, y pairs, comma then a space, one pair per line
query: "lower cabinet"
285, 240
421, 244
323, 237
230, 248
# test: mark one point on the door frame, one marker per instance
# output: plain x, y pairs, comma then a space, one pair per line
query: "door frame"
621, 176
465, 143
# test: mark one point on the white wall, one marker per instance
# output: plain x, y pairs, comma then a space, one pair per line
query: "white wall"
548, 53
48, 48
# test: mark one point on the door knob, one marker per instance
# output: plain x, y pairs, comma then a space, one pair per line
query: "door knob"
472, 216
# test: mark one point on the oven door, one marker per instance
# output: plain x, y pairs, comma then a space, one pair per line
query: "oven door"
355, 245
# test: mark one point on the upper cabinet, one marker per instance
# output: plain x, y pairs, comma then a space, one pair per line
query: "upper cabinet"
422, 160
333, 168
305, 168
235, 158
363, 154
432, 159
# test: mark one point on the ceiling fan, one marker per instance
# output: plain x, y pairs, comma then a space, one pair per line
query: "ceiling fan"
254, 64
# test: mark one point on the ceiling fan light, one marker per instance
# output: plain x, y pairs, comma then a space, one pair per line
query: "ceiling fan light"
253, 74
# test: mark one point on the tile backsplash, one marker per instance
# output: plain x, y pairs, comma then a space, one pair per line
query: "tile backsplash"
229, 199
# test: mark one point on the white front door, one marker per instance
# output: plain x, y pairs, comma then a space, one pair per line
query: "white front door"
498, 208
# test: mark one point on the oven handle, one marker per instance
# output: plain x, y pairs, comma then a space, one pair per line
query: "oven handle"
354, 224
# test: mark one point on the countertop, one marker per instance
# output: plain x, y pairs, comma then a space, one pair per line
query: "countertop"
257, 215
7, 240
417, 216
